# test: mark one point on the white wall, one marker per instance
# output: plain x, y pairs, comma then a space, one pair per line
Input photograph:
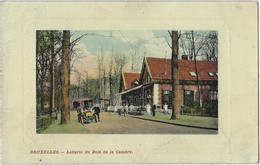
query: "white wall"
156, 94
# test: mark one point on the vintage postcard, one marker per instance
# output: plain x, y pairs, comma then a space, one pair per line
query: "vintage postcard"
125, 79
130, 82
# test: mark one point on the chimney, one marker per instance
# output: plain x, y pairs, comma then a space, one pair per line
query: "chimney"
184, 57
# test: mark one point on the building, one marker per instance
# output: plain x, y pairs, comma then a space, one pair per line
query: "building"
83, 102
153, 84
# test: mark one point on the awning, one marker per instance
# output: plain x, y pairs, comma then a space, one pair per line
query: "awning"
131, 89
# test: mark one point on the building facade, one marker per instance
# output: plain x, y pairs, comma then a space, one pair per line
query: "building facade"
153, 84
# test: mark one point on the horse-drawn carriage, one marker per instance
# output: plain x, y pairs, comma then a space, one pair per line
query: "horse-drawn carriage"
85, 117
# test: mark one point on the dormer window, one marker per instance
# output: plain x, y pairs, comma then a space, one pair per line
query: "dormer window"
193, 74
135, 83
211, 74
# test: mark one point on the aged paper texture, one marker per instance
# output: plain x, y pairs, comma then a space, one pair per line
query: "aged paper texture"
236, 23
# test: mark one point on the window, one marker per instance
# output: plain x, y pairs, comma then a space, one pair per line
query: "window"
167, 98
193, 74
213, 95
211, 74
134, 100
188, 97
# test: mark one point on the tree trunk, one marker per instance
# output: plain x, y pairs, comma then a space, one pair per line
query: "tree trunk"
78, 91
104, 87
175, 76
57, 92
38, 80
42, 97
110, 77
110, 89
196, 69
65, 117
99, 80
87, 94
52, 99
60, 90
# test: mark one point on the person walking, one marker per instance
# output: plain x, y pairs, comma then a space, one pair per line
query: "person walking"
119, 111
124, 110
165, 107
153, 109
131, 108
80, 116
127, 109
96, 113
148, 109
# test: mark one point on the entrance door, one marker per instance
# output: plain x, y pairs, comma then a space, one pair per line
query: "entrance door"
167, 98
188, 97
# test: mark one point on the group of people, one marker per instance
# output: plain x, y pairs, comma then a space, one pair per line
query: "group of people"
149, 109
153, 109
123, 110
92, 113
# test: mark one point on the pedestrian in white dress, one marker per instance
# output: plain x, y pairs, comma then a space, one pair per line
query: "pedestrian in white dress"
165, 107
148, 109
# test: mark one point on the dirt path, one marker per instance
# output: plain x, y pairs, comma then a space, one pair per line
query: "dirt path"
113, 124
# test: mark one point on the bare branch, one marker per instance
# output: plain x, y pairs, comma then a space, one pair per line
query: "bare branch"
168, 42
170, 33
78, 39
179, 35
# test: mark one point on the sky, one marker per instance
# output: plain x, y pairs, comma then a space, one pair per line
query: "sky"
145, 43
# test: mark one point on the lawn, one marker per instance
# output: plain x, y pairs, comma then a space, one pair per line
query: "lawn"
198, 121
43, 122
72, 128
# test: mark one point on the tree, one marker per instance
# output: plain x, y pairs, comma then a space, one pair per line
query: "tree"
102, 76
103, 90
198, 45
111, 62
52, 70
78, 78
205, 43
93, 88
175, 75
65, 116
43, 60
195, 54
134, 59
85, 88
49, 69
99, 74
185, 44
120, 62
210, 48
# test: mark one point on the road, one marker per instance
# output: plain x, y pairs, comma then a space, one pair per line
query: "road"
111, 123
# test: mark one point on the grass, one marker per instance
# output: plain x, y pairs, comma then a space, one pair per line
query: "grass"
43, 122
198, 121
74, 127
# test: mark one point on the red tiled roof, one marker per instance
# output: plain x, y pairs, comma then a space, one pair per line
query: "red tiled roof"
83, 99
128, 78
157, 69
